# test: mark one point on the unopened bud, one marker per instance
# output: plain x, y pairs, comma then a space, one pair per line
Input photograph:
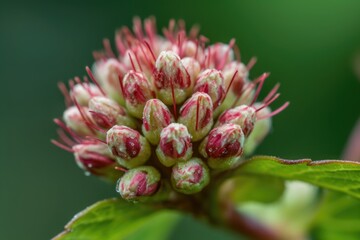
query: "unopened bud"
75, 121
171, 78
156, 116
137, 90
95, 158
220, 54
190, 177
224, 146
244, 116
211, 82
108, 73
107, 113
139, 183
197, 115
130, 148
83, 92
175, 145
261, 129
193, 67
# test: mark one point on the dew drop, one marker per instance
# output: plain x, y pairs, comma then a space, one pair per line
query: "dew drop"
87, 174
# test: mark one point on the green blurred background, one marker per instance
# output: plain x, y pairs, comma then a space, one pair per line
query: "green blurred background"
308, 46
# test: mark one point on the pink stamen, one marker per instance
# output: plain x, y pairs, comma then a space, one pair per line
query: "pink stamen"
151, 51
66, 94
65, 138
272, 92
132, 63
138, 62
268, 102
94, 80
261, 83
138, 28
68, 130
226, 55
62, 146
232, 79
277, 111
251, 63
108, 50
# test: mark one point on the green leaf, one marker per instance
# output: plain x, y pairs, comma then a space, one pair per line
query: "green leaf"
250, 188
117, 219
342, 176
337, 218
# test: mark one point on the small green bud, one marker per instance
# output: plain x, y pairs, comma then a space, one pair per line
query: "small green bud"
107, 113
175, 145
197, 115
137, 91
139, 183
130, 148
190, 177
156, 116
223, 147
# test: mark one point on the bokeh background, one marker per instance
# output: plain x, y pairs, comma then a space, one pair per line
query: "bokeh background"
308, 46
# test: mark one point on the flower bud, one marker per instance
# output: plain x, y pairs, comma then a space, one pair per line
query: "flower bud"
156, 116
139, 183
244, 116
220, 54
95, 158
108, 73
130, 148
84, 92
224, 146
211, 82
73, 119
197, 115
190, 177
261, 129
175, 145
193, 67
171, 78
137, 90
107, 113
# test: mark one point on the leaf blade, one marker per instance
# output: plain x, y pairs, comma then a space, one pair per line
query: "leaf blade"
338, 175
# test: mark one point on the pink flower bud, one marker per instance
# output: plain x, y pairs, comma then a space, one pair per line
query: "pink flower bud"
171, 78
244, 116
193, 68
156, 116
108, 73
224, 146
197, 115
211, 82
107, 113
175, 145
137, 90
190, 177
139, 183
95, 158
219, 54
84, 92
75, 121
130, 148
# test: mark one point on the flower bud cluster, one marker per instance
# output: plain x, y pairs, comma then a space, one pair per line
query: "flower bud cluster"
164, 114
